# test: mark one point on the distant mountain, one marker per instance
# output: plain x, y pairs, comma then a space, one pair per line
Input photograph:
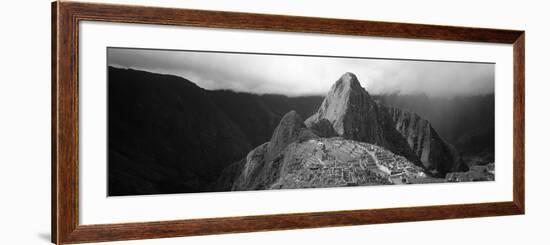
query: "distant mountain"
467, 122
258, 115
434, 153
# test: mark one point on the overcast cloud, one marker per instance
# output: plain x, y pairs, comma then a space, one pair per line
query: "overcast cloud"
302, 75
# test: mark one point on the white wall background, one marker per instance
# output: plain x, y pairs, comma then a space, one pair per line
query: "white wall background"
25, 121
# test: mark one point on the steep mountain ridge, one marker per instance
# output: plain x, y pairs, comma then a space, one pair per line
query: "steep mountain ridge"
290, 129
263, 165
354, 115
434, 153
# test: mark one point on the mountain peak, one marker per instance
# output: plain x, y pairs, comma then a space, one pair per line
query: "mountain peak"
290, 128
349, 76
356, 116
345, 102
348, 81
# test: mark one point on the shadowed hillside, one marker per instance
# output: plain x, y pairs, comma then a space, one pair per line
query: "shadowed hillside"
167, 135
258, 115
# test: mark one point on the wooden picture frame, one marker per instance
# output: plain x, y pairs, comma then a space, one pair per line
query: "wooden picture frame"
65, 121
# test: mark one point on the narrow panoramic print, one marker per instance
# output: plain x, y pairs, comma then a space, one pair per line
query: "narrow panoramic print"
198, 121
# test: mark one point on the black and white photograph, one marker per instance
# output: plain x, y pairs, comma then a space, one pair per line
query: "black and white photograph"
191, 121
274, 122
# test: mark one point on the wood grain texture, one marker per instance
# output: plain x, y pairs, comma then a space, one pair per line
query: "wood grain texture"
54, 123
65, 30
65, 104
519, 123
234, 20
149, 230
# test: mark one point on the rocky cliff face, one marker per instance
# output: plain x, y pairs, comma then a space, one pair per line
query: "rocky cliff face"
290, 129
263, 164
323, 128
434, 153
354, 115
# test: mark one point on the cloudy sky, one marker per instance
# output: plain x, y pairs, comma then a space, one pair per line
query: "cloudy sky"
306, 75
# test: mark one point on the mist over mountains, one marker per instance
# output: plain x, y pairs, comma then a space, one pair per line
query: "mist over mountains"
298, 75
167, 135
